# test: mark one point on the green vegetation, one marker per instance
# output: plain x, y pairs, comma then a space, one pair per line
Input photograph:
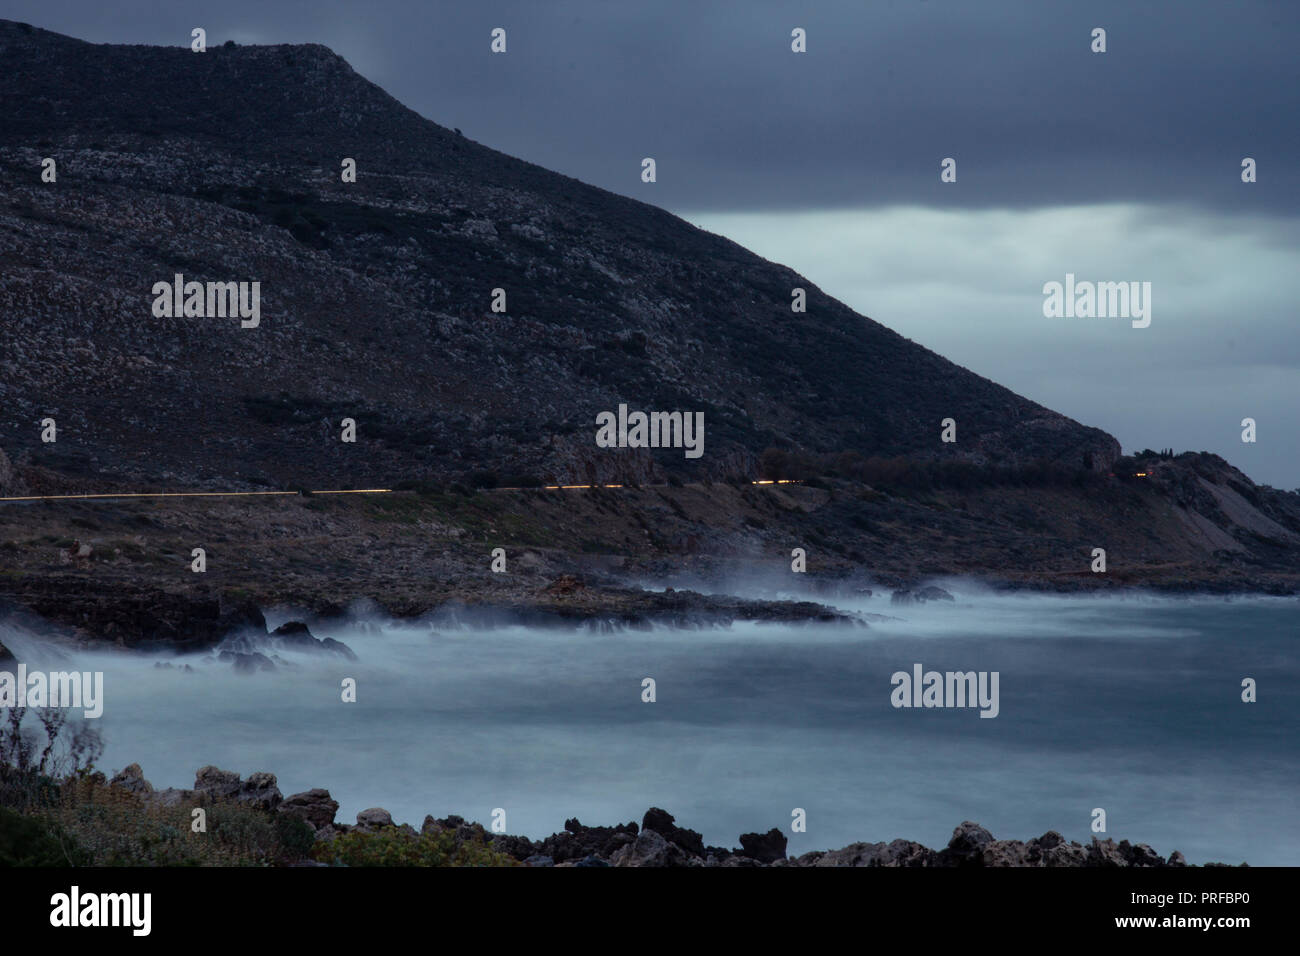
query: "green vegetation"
57, 810
33, 841
394, 847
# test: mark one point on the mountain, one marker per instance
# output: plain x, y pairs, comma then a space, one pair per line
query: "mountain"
375, 305
375, 299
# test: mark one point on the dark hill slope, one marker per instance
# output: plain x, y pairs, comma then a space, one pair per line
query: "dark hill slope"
224, 166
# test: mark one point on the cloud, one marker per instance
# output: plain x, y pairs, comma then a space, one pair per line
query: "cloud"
1221, 346
886, 90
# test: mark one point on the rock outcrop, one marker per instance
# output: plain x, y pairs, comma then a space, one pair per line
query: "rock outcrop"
314, 807
658, 841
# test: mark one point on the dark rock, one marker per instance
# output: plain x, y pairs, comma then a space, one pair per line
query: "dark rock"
919, 596
314, 806
1140, 855
517, 847
260, 790
765, 847
1104, 853
337, 647
238, 615
374, 819
650, 848
131, 779
294, 631
296, 636
577, 841
217, 784
662, 822
1050, 839
967, 845
247, 663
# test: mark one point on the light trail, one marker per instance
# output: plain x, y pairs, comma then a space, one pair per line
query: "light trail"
192, 494
355, 491
343, 491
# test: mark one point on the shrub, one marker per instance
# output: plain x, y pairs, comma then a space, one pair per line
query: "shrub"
394, 847
296, 837
112, 827
32, 841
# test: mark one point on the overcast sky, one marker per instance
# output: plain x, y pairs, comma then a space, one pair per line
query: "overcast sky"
1123, 165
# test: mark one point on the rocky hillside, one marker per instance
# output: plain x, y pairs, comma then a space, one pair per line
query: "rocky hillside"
376, 298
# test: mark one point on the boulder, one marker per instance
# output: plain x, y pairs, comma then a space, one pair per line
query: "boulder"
663, 822
296, 636
260, 790
247, 663
517, 847
1140, 855
651, 849
966, 848
131, 779
337, 647
765, 847
313, 806
1105, 853
919, 596
1052, 849
1007, 853
375, 818
217, 784
899, 853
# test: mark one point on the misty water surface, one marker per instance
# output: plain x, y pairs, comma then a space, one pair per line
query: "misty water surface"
1132, 705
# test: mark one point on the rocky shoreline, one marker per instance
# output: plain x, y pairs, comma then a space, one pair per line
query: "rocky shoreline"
119, 572
149, 618
656, 842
